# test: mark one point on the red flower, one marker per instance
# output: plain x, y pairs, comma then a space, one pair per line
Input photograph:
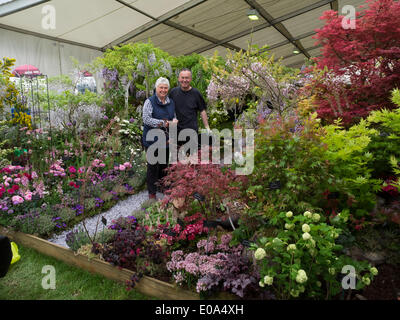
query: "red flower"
28, 176
71, 169
10, 191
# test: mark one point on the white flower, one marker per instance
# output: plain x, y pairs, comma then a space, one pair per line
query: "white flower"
289, 226
260, 254
268, 280
306, 236
305, 227
308, 214
261, 283
301, 276
294, 293
374, 271
366, 280
291, 247
316, 217
289, 214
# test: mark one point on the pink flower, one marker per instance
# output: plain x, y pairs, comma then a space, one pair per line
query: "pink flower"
71, 169
17, 200
34, 175
122, 167
81, 170
28, 196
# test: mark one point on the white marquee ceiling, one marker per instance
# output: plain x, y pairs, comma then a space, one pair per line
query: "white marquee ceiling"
179, 27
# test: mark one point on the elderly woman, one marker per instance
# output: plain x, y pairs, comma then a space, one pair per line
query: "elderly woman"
158, 113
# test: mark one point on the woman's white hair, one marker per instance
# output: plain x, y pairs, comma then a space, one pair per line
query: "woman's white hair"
162, 80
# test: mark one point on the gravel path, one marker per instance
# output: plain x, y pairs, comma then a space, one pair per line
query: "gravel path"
121, 209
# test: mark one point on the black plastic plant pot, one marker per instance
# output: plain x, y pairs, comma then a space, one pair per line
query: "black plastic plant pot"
274, 185
334, 195
227, 225
210, 224
247, 243
199, 196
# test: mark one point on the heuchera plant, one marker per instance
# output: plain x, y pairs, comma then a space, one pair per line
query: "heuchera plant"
214, 265
363, 62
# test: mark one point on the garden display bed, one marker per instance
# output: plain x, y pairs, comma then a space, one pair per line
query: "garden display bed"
147, 285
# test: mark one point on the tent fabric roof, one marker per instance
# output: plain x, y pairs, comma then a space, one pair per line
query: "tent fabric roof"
179, 27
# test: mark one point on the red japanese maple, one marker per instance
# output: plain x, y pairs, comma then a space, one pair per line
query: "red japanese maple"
363, 63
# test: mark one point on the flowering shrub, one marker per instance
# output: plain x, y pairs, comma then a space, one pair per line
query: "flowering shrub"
252, 75
303, 259
18, 188
210, 180
290, 172
363, 62
184, 232
215, 265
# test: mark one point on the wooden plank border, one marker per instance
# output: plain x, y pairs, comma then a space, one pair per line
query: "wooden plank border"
147, 285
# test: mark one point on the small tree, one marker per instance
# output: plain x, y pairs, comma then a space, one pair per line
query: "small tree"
363, 64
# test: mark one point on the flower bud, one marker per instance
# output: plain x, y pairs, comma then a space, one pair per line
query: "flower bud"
374, 271
366, 280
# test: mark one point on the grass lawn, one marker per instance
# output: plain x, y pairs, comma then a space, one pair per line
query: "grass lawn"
24, 282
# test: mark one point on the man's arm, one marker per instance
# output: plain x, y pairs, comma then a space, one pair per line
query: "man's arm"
204, 117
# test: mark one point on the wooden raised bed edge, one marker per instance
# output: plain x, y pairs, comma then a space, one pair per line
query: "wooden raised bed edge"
147, 285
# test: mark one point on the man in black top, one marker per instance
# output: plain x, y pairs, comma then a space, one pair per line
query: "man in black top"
188, 102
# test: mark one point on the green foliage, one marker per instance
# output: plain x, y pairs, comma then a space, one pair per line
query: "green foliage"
396, 97
303, 260
294, 160
154, 214
348, 155
201, 74
387, 143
